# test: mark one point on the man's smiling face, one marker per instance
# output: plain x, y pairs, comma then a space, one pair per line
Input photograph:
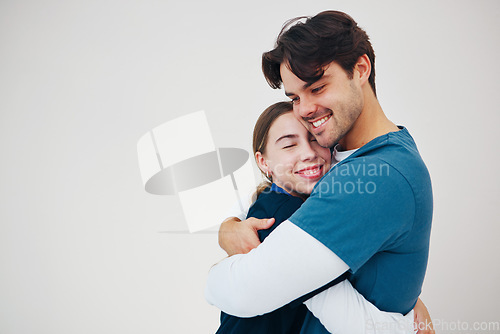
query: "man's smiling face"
329, 107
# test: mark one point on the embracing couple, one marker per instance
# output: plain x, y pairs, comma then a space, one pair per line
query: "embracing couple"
337, 238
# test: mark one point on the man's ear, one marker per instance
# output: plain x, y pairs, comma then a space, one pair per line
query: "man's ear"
261, 162
363, 68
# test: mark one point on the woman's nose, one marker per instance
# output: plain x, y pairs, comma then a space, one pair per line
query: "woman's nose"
308, 153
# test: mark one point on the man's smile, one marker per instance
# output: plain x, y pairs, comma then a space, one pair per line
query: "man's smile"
317, 124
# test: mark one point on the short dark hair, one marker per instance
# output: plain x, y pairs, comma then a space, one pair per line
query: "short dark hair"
308, 47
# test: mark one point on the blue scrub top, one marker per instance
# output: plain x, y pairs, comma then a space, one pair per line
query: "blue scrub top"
374, 210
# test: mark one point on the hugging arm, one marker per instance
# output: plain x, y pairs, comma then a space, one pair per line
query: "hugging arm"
253, 284
257, 283
238, 289
339, 305
342, 309
240, 237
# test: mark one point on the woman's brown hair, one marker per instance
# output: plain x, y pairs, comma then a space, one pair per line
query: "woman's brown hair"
261, 132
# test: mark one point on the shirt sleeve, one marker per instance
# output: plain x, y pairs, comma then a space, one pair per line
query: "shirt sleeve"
275, 273
343, 310
358, 209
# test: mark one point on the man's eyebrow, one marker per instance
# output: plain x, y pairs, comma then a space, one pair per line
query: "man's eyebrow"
291, 136
309, 84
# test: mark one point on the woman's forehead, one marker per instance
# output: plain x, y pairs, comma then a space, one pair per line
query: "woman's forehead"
287, 125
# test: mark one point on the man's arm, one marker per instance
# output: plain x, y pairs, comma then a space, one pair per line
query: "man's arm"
257, 283
340, 307
291, 262
343, 310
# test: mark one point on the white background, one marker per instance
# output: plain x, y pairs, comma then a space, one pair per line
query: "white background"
84, 249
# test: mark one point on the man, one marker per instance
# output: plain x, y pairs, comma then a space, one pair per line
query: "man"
371, 214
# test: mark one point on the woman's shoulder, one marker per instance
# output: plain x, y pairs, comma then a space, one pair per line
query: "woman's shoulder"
271, 204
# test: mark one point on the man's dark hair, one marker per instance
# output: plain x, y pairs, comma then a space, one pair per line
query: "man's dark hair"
307, 47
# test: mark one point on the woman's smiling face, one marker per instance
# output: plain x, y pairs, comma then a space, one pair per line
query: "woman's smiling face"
293, 156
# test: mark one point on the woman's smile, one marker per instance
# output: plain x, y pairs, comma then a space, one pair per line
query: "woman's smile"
314, 172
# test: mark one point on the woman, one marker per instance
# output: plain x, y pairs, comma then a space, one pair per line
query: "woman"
293, 162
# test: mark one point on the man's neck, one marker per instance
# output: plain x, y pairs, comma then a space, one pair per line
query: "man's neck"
371, 123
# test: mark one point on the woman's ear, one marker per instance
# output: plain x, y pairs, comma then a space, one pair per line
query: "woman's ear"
261, 162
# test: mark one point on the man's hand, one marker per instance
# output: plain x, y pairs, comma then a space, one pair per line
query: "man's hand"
423, 320
240, 237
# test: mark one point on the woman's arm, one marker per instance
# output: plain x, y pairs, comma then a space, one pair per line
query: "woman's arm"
423, 321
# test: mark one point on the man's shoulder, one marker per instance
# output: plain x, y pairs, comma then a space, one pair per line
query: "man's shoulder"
391, 154
375, 174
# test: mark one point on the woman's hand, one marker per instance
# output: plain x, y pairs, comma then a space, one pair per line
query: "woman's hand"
423, 320
240, 237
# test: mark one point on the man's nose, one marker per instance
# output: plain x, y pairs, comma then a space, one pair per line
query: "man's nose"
307, 107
